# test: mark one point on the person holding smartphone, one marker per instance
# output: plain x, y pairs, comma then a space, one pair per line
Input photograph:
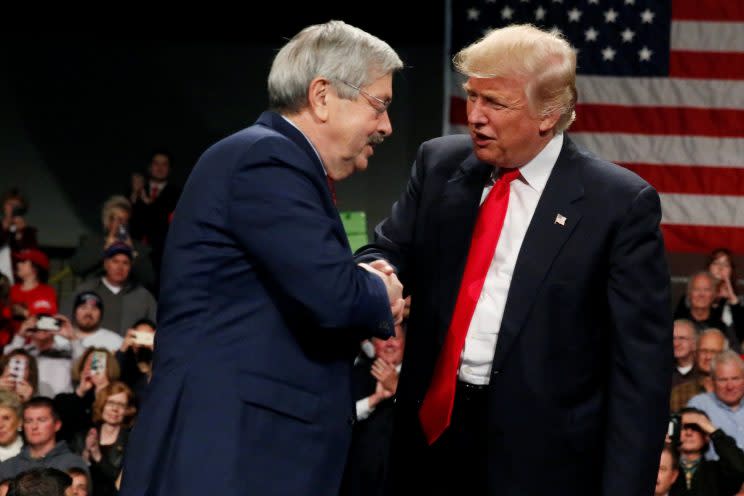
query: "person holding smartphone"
20, 374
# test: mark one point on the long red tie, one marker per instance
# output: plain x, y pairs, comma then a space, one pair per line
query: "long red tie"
154, 190
436, 409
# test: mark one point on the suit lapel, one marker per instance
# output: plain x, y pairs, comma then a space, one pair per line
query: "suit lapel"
543, 241
458, 212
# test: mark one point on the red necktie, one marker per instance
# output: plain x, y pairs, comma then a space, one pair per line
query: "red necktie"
436, 410
153, 193
332, 188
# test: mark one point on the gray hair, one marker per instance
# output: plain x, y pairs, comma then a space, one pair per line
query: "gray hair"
690, 325
702, 273
726, 356
717, 332
334, 50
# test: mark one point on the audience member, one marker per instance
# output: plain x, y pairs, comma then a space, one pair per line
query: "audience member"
710, 343
40, 426
153, 202
80, 483
135, 357
668, 470
20, 374
104, 444
31, 295
40, 482
87, 262
701, 297
86, 331
724, 404
11, 441
125, 301
14, 231
685, 344
701, 477
95, 370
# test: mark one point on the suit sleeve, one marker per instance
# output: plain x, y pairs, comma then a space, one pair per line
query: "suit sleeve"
394, 235
641, 359
276, 212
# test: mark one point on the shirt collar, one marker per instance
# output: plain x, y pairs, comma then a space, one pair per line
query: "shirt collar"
724, 405
308, 140
537, 171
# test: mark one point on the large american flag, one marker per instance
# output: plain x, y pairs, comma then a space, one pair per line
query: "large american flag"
661, 92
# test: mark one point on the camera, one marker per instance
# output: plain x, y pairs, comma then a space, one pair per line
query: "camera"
48, 323
674, 428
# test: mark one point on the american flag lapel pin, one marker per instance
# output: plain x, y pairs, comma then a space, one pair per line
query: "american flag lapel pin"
560, 219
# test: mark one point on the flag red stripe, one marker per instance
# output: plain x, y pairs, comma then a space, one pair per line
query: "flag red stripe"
600, 118
689, 179
702, 239
706, 65
710, 10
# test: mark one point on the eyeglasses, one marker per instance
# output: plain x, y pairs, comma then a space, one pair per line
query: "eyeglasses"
380, 105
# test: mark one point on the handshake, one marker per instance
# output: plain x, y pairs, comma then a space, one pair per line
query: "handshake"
384, 271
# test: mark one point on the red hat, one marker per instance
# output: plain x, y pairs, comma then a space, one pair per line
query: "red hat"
42, 307
37, 257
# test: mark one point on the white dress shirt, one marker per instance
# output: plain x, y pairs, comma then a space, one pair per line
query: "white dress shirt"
483, 333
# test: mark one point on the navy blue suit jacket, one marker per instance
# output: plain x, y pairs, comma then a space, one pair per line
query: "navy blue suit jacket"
261, 311
579, 389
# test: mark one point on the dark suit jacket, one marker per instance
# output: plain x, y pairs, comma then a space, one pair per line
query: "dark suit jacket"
579, 390
261, 311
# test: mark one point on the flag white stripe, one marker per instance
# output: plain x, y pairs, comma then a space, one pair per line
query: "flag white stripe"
703, 210
661, 92
677, 150
707, 36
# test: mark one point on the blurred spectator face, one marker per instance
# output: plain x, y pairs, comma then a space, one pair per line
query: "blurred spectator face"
25, 269
391, 350
39, 426
720, 267
117, 217
666, 475
87, 316
10, 204
701, 292
9, 423
79, 486
691, 438
728, 383
709, 345
117, 269
115, 408
684, 341
159, 167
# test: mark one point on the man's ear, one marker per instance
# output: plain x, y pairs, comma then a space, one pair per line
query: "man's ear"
548, 122
318, 97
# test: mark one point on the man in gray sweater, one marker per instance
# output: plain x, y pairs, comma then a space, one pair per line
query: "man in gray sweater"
40, 425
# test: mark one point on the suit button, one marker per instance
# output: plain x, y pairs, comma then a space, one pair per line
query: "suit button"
351, 420
495, 372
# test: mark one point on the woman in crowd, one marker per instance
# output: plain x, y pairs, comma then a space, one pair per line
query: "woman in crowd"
13, 229
103, 445
76, 409
20, 374
11, 440
31, 295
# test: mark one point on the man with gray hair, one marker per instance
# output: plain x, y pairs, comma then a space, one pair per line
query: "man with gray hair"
262, 306
724, 404
539, 335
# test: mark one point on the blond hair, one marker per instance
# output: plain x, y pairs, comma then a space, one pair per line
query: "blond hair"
545, 61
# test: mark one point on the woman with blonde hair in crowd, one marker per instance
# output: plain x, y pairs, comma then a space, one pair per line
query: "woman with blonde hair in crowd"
96, 369
11, 440
103, 445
